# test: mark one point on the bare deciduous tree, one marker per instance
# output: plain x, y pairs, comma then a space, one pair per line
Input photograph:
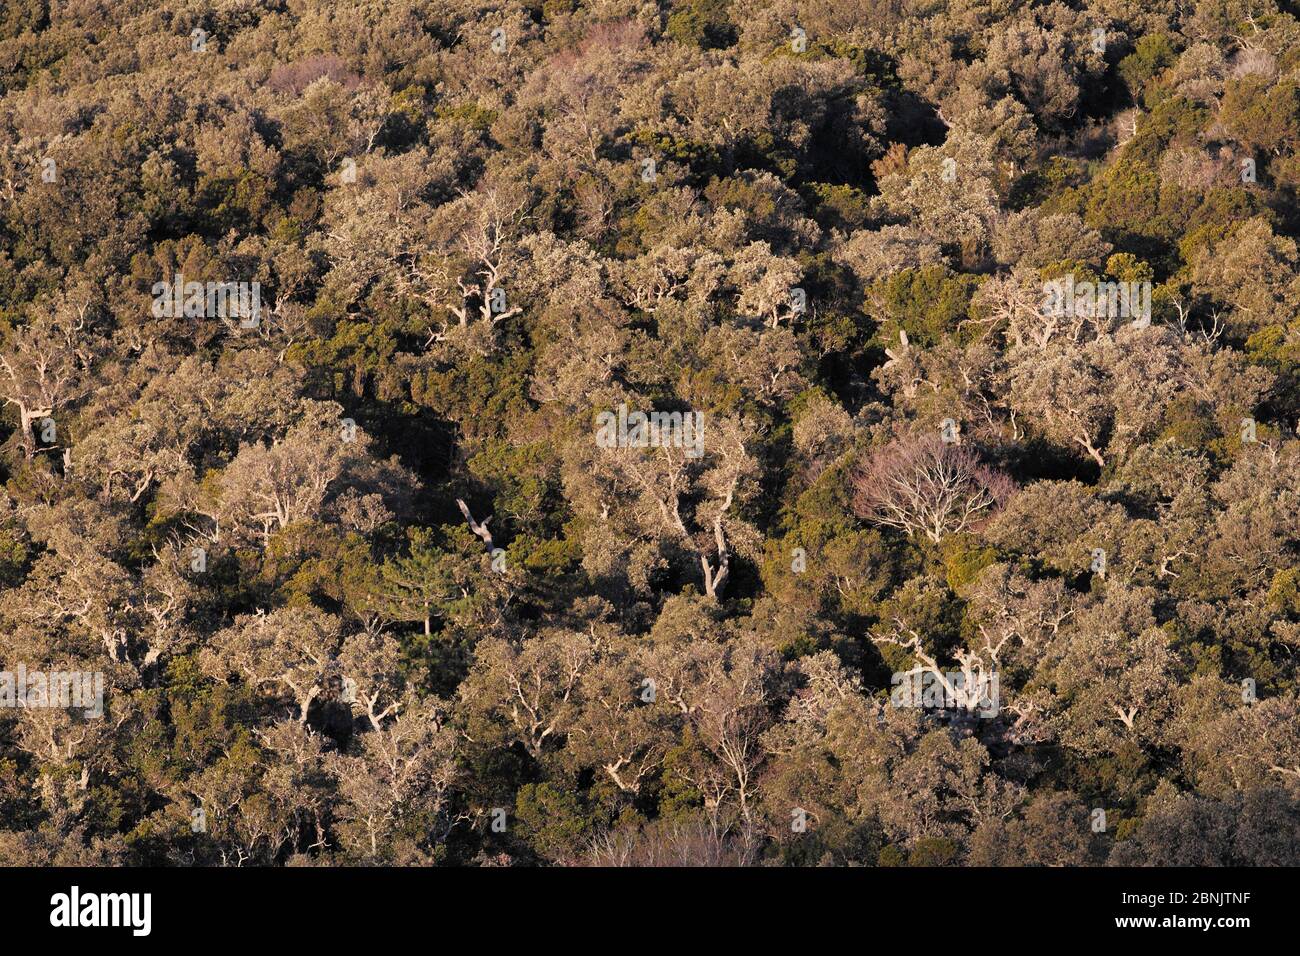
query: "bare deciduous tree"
928, 486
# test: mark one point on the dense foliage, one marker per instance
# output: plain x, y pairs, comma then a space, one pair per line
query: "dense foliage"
365, 587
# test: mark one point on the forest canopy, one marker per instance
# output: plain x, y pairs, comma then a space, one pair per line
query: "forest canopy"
638, 432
